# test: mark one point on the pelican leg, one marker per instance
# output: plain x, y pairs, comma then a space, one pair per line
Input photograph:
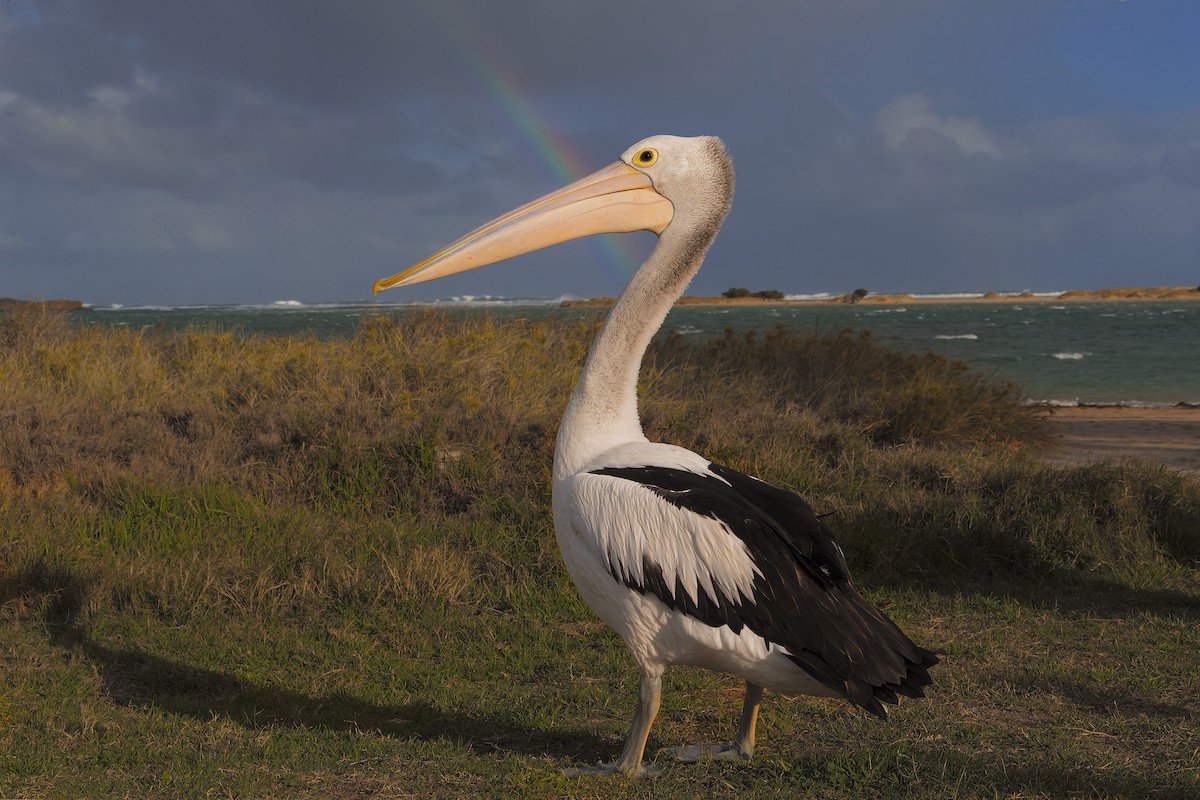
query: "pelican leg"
742, 748
745, 737
649, 699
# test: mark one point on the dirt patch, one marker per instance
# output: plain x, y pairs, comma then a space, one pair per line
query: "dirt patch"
1169, 436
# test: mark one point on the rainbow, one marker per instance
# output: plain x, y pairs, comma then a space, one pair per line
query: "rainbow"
560, 163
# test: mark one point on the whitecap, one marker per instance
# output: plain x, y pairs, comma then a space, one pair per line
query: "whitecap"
1052, 403
286, 304
1077, 403
814, 296
485, 300
970, 336
1069, 356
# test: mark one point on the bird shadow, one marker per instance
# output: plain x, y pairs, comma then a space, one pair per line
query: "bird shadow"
137, 679
1073, 595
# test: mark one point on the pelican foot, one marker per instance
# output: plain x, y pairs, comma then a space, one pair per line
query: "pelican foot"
611, 770
704, 752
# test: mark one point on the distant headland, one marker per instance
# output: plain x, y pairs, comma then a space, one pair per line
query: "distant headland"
861, 296
9, 304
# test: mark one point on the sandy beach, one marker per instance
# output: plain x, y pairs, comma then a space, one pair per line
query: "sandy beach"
1169, 436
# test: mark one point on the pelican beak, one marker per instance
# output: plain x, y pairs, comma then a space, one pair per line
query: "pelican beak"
617, 199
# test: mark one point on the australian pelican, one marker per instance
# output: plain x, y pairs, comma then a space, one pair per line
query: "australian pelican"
690, 562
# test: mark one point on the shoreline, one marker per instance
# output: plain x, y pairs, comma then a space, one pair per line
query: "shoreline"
1050, 406
1122, 295
1088, 434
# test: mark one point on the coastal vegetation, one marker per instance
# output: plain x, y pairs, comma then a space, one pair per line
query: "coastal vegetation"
1142, 294
1135, 293
9, 304
283, 566
766, 294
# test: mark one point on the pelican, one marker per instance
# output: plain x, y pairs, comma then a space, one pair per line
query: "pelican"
690, 562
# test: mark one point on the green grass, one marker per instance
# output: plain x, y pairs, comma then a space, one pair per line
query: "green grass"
236, 566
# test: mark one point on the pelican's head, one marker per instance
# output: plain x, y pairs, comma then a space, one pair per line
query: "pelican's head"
688, 171
645, 190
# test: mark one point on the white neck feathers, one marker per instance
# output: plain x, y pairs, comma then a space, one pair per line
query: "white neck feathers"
603, 410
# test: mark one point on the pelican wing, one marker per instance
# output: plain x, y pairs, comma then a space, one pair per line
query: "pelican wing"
728, 549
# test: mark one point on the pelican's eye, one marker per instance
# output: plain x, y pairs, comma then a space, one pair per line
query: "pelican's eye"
646, 157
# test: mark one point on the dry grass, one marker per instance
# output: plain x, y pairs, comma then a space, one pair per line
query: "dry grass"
292, 567
89, 409
314, 468
846, 378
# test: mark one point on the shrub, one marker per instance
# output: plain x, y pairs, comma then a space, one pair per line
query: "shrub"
893, 397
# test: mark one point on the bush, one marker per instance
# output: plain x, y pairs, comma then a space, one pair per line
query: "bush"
892, 396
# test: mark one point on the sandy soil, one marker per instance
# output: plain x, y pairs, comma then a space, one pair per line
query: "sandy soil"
1169, 436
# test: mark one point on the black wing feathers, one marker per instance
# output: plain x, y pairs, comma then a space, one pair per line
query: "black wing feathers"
803, 600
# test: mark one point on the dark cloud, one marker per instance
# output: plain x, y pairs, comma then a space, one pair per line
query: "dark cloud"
230, 150
60, 61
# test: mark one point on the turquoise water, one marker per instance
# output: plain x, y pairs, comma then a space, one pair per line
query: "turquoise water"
1121, 352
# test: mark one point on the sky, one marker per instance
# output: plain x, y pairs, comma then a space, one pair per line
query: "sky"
246, 152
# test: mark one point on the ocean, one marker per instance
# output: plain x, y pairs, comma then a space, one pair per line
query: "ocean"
1103, 353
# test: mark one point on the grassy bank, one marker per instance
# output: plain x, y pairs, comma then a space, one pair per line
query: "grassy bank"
236, 566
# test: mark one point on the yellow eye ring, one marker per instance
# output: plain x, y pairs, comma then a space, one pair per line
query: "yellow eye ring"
646, 157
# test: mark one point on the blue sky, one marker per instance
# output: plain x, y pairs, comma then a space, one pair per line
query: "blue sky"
228, 151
